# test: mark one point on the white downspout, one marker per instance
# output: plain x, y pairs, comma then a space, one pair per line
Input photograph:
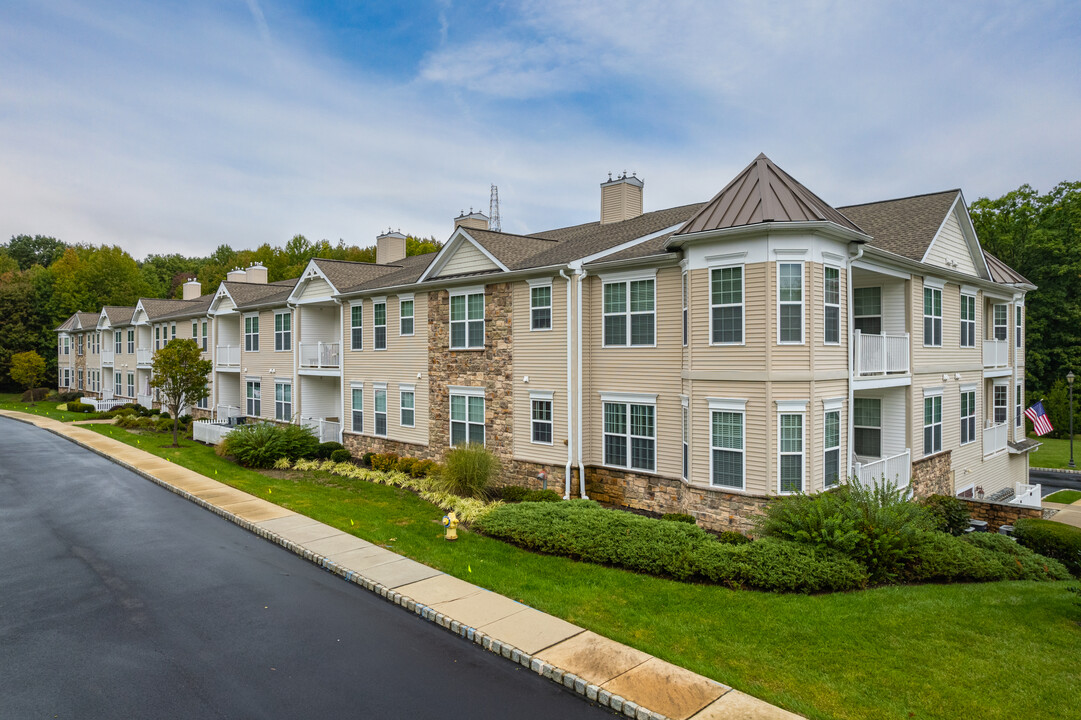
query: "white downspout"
851, 354
570, 388
341, 368
581, 274
296, 345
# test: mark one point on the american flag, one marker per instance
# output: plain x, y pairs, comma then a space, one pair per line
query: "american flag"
1038, 416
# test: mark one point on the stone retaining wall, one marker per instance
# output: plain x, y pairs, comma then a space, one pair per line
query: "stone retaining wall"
932, 476
998, 514
360, 444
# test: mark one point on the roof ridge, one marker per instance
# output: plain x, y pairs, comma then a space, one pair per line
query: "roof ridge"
906, 197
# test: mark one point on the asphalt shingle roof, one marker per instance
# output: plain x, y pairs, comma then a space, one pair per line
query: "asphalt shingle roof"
905, 226
250, 295
119, 315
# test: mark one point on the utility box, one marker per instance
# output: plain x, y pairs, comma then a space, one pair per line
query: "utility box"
978, 525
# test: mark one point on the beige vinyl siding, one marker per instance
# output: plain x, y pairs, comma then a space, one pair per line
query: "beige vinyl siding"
749, 356
827, 357
996, 473
542, 356
755, 432
816, 415
466, 259
404, 358
785, 358
315, 288
951, 356
259, 364
966, 460
623, 369
950, 245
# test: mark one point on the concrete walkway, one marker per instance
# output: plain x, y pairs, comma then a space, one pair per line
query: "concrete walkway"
1067, 514
614, 675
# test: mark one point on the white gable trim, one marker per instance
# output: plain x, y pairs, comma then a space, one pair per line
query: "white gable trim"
623, 246
103, 321
459, 237
964, 220
222, 292
311, 272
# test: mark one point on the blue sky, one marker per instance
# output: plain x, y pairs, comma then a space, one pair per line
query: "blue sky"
178, 126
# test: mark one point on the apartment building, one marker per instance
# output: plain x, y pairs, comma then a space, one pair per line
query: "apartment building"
701, 358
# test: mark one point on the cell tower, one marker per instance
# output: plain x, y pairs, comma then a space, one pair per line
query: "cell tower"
493, 210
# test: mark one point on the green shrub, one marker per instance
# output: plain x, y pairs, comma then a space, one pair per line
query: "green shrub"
978, 557
949, 514
423, 468
542, 496
366, 459
779, 566
340, 455
385, 462
262, 444
163, 425
122, 412
127, 421
68, 396
36, 394
512, 493
185, 419
680, 517
405, 465
468, 470
76, 406
1053, 540
162, 414
323, 451
731, 537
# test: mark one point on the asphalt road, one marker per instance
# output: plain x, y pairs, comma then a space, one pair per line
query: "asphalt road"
121, 599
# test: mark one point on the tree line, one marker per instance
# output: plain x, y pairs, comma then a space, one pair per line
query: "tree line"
43, 280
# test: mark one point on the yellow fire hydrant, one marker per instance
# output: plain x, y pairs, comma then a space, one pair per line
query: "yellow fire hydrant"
450, 522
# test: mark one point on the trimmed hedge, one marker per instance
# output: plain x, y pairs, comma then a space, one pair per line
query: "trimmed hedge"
76, 406
340, 455
1055, 540
978, 557
680, 517
517, 493
949, 514
324, 450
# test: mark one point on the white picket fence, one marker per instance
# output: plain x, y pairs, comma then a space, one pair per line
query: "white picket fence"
211, 433
1027, 495
103, 405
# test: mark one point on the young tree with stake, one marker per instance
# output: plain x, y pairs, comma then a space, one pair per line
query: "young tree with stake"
180, 376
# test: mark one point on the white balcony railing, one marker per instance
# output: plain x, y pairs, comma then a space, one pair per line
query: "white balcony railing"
896, 469
227, 356
143, 356
223, 412
996, 353
107, 357
211, 433
327, 430
880, 354
146, 401
320, 355
994, 438
1027, 495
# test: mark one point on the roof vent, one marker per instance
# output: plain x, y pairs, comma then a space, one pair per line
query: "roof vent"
621, 198
475, 220
389, 247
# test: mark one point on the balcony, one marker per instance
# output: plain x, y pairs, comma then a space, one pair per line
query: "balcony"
994, 438
327, 430
107, 357
227, 356
146, 401
996, 353
223, 412
896, 469
880, 354
144, 356
320, 355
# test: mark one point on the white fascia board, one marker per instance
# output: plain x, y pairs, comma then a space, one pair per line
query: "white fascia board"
823, 227
964, 221
541, 394
460, 236
791, 406
873, 256
623, 246
310, 272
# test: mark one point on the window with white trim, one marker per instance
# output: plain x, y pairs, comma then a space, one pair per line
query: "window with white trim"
67, 377
467, 321
867, 310
831, 287
1017, 326
204, 402
131, 341
204, 335
195, 330
379, 323
251, 333
726, 305
118, 382
726, 448
932, 424
405, 316
356, 326
380, 410
630, 436
867, 426
466, 418
686, 440
629, 313
131, 385
686, 330
1000, 321
283, 331
79, 344
540, 413
251, 396
1000, 394
118, 343
968, 416
540, 307
407, 403
790, 451
968, 320
172, 328
1018, 397
790, 303
932, 317
831, 438
157, 337
283, 401
358, 409
79, 376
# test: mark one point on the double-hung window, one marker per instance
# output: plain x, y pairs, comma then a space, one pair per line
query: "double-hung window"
131, 385
78, 344
686, 436
726, 305
79, 376
790, 303
1018, 401
540, 307
630, 435
1017, 326
407, 401
932, 424
968, 415
356, 326
195, 331
867, 310
629, 312
467, 320
867, 426
283, 331
118, 343
466, 415
380, 396
118, 383
131, 341
686, 328
540, 414
790, 466
172, 329
283, 401
251, 333
358, 408
204, 335
1000, 395
157, 337
932, 317
727, 443
968, 320
831, 279
831, 439
1001, 318
405, 315
251, 394
379, 323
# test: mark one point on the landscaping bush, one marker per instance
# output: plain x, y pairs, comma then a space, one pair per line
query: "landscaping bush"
405, 465
731, 537
366, 459
779, 566
680, 517
949, 514
185, 419
68, 396
323, 451
127, 420
387, 462
978, 557
468, 470
163, 425
75, 406
121, 412
35, 394
262, 444
340, 455
512, 493
1053, 540
542, 496
162, 414
424, 468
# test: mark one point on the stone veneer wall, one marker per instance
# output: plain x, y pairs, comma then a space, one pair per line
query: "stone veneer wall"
999, 513
713, 509
360, 444
932, 476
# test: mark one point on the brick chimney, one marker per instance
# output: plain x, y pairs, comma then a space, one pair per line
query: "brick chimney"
621, 198
192, 289
256, 274
474, 220
389, 247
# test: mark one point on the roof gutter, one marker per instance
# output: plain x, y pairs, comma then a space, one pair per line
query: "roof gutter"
825, 227
440, 283
957, 278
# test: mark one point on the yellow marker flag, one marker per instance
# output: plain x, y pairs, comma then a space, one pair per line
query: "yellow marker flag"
469, 568
268, 490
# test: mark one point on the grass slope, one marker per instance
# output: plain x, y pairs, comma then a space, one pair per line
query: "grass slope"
1055, 453
1064, 496
47, 408
995, 650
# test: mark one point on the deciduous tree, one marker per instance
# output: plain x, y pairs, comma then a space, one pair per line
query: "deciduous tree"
28, 369
180, 375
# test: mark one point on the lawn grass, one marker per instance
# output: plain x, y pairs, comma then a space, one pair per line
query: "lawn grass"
11, 401
1064, 496
1055, 453
995, 650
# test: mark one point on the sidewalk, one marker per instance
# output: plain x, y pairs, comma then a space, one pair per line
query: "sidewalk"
614, 675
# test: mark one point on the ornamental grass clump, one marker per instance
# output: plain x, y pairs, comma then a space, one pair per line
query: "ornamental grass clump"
468, 471
261, 445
